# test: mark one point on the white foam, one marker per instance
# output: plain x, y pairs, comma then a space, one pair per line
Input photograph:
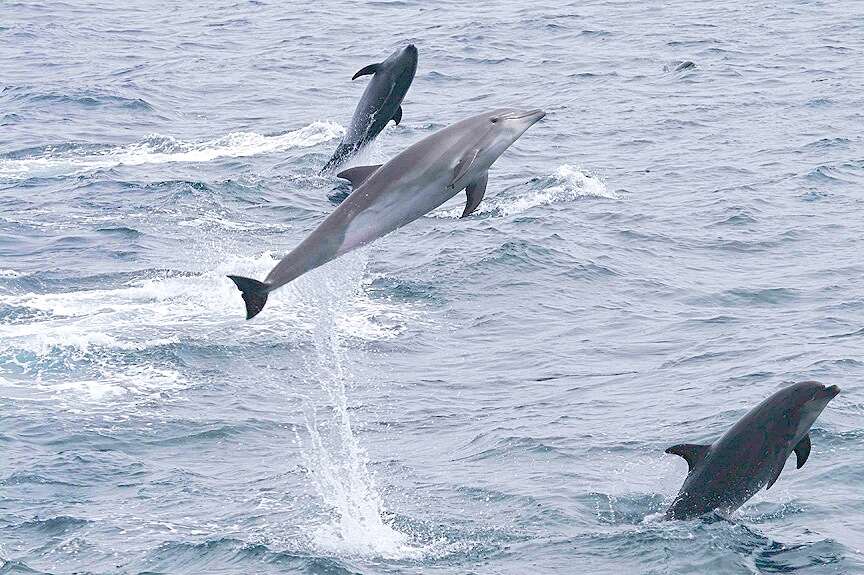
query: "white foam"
10, 274
566, 184
156, 149
337, 465
115, 382
86, 333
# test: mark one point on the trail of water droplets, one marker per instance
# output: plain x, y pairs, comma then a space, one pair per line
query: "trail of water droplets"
337, 465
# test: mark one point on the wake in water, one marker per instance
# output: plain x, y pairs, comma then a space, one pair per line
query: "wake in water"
50, 335
337, 465
566, 184
74, 159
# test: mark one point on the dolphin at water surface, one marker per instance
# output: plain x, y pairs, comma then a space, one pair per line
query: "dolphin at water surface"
380, 103
386, 197
725, 474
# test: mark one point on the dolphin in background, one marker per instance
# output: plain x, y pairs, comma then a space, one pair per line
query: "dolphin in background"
386, 197
380, 103
725, 474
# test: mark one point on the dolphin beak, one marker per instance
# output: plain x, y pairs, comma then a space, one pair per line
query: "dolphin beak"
535, 115
831, 392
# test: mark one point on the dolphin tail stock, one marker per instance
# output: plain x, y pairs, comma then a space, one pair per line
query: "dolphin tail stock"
254, 294
343, 151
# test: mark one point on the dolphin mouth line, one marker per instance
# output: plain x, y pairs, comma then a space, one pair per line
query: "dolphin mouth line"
538, 112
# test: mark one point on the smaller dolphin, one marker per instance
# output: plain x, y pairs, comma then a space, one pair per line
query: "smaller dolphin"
387, 197
380, 103
725, 474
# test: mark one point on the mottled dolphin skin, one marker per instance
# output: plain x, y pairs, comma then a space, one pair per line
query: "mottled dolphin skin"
412, 184
380, 103
751, 454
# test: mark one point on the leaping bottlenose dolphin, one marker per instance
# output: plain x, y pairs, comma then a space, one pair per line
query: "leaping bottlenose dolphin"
380, 103
386, 197
725, 474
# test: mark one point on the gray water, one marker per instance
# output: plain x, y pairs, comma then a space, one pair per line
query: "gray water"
680, 237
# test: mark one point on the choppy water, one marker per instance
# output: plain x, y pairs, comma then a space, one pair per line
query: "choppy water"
681, 236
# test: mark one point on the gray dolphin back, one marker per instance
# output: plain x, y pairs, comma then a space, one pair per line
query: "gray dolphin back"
722, 476
414, 182
381, 102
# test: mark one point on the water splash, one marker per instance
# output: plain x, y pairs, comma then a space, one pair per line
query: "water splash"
76, 159
337, 465
566, 184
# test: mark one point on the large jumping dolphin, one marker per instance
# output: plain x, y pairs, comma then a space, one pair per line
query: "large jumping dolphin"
380, 103
751, 454
413, 183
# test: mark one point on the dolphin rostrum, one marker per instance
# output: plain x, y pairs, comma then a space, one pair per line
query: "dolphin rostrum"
380, 103
725, 474
386, 197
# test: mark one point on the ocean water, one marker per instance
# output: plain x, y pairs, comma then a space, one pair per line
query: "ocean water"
681, 236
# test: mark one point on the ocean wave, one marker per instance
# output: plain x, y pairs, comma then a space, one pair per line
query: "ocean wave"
82, 98
90, 344
51, 161
566, 184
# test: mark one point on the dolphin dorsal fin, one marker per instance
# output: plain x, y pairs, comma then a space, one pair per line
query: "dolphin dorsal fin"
370, 69
802, 451
358, 174
475, 192
691, 452
397, 117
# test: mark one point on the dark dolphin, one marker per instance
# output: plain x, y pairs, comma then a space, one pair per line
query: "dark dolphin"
412, 184
751, 454
380, 103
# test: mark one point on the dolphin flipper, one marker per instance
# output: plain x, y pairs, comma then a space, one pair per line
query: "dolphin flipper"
691, 452
397, 117
254, 294
370, 69
358, 174
802, 451
475, 192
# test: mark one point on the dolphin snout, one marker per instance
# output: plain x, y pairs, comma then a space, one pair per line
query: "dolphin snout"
411, 49
831, 391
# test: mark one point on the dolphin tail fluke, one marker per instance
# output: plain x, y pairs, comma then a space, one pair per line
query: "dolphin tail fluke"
254, 294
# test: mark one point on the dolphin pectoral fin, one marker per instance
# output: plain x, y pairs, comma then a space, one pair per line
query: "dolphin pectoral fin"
358, 174
370, 69
691, 452
254, 294
475, 192
802, 451
397, 117
462, 167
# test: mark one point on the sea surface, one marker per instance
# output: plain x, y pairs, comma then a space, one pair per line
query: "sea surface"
680, 237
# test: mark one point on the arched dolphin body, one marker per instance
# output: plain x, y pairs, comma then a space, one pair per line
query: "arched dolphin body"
380, 103
413, 183
751, 454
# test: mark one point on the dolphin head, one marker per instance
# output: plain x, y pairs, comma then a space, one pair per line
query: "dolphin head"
501, 127
809, 398
403, 63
